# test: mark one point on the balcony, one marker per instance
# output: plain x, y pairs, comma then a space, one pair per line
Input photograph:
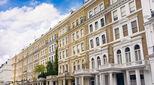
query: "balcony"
124, 66
85, 72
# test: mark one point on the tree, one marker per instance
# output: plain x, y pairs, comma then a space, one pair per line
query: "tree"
49, 67
42, 75
56, 59
39, 68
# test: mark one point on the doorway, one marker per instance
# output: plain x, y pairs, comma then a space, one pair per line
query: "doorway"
120, 79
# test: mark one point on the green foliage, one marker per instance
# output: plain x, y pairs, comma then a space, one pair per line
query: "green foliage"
49, 67
52, 68
33, 77
42, 75
56, 59
39, 68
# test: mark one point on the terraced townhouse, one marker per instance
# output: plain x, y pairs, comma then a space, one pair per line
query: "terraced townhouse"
101, 43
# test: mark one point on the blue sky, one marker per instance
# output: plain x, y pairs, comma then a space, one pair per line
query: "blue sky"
23, 21
62, 5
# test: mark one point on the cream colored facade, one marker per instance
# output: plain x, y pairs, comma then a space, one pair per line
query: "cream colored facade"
102, 43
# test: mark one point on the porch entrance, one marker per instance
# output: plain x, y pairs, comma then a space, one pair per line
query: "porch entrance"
120, 79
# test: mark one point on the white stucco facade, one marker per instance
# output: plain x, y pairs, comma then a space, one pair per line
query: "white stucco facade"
5, 73
149, 28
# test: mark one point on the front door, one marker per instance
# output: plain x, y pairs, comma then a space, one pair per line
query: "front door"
120, 79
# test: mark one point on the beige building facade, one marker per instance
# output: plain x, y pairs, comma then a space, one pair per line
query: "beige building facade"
101, 43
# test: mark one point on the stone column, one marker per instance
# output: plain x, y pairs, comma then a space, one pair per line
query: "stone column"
82, 80
101, 83
128, 77
138, 79
96, 80
111, 79
75, 81
103, 79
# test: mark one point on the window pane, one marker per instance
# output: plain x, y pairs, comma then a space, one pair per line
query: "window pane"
77, 22
123, 11
134, 26
91, 43
90, 14
132, 6
102, 22
125, 30
95, 10
77, 34
91, 28
116, 33
103, 39
101, 6
115, 15
97, 41
96, 25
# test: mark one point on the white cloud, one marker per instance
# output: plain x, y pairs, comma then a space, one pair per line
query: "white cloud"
34, 2
19, 27
2, 2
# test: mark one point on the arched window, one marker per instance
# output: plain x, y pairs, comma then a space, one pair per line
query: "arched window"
119, 58
93, 63
98, 61
137, 52
128, 55
105, 59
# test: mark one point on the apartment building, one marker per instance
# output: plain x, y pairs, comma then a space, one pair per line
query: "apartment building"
101, 43
5, 73
149, 28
